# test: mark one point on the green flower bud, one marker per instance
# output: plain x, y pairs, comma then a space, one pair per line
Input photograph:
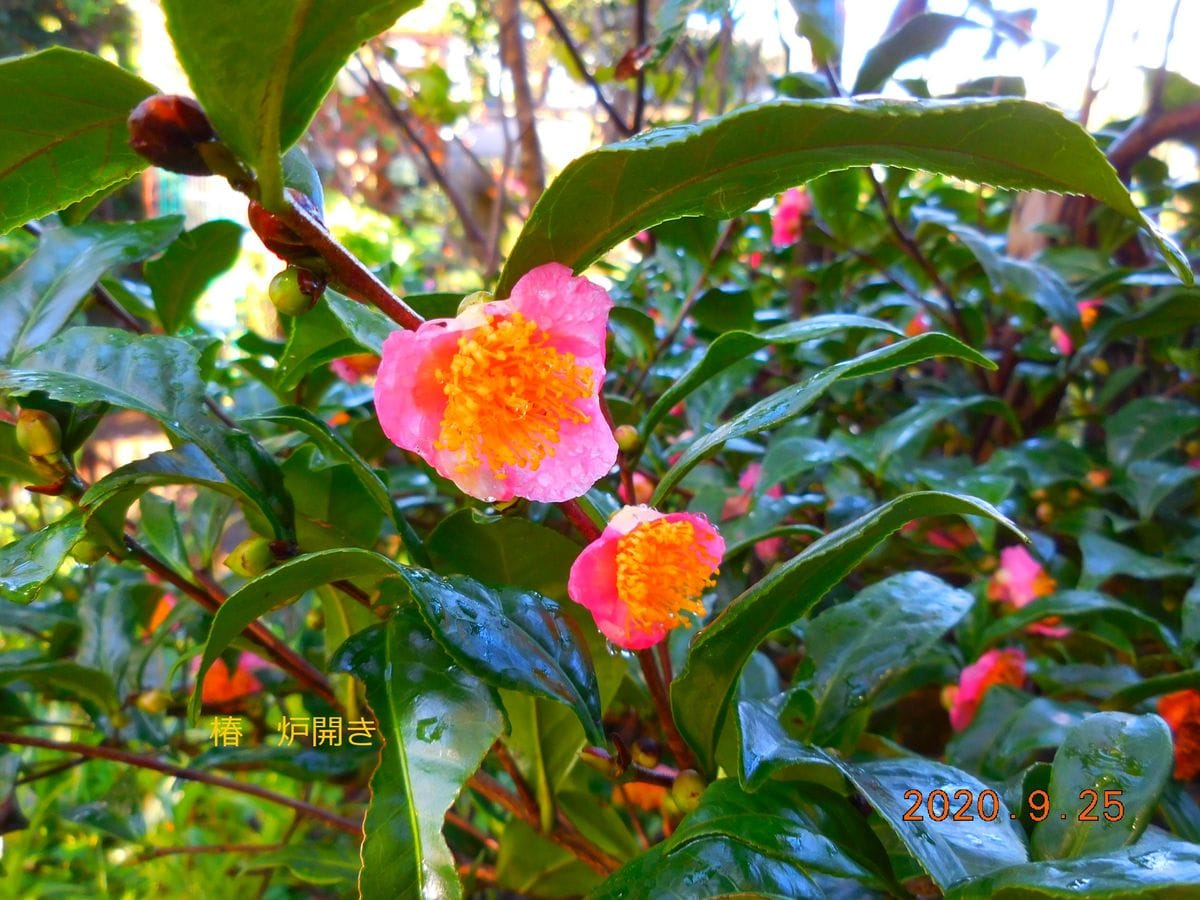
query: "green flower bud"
87, 551
687, 789
251, 557
628, 439
38, 433
295, 291
154, 702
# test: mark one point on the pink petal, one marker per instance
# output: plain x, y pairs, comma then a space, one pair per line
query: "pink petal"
571, 309
409, 400
583, 455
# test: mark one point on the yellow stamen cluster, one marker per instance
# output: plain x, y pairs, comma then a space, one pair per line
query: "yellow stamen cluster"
662, 570
508, 393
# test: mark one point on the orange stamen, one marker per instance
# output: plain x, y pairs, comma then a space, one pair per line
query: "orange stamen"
508, 394
662, 570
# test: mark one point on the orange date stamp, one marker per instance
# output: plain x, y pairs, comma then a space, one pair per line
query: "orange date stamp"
966, 806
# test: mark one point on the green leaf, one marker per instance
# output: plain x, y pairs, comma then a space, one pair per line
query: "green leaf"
1161, 870
180, 276
950, 851
1144, 428
41, 296
1152, 482
186, 464
702, 691
78, 681
437, 723
158, 376
785, 405
334, 446
735, 843
29, 562
310, 863
1077, 604
336, 327
1103, 559
725, 165
333, 509
734, 346
822, 23
768, 752
277, 587
261, 71
63, 135
1130, 756
511, 638
857, 646
917, 37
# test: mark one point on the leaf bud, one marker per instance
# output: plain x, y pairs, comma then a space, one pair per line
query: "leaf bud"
628, 439
167, 130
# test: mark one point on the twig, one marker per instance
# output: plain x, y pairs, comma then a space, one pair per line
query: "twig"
524, 791
349, 826
1149, 131
662, 703
478, 834
1089, 94
639, 104
587, 76
202, 849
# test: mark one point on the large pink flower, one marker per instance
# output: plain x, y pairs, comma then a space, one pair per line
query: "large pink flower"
788, 217
644, 572
503, 399
1019, 581
993, 668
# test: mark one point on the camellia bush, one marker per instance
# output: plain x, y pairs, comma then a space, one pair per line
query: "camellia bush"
766, 525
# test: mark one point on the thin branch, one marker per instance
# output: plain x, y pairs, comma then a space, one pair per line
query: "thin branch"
587, 76
662, 703
1149, 131
639, 106
203, 849
1089, 94
92, 751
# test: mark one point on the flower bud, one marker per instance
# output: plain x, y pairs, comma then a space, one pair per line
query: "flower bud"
295, 291
87, 551
154, 702
687, 789
167, 130
628, 439
38, 433
647, 752
315, 619
251, 557
278, 237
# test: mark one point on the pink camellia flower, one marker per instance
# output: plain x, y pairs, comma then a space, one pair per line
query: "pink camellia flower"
643, 490
789, 213
353, 369
222, 686
918, 324
503, 399
1019, 581
1089, 311
644, 572
755, 260
993, 668
739, 504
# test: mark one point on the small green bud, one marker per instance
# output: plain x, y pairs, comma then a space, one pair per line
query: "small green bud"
628, 439
295, 291
154, 702
315, 619
687, 789
251, 557
38, 433
87, 551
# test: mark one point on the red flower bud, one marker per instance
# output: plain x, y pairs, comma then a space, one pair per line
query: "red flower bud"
278, 237
167, 130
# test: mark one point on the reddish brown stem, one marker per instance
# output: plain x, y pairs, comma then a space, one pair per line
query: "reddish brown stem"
662, 703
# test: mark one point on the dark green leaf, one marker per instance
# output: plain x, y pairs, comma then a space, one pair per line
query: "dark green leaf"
725, 165
1077, 604
158, 376
785, 405
63, 135
1103, 559
1132, 757
29, 562
917, 37
40, 297
65, 677
701, 693
437, 722
857, 646
277, 587
1144, 428
511, 638
261, 71
179, 276
769, 752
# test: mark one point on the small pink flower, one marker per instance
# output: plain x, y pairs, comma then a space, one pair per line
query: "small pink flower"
353, 369
993, 668
918, 324
788, 217
756, 260
503, 399
644, 572
1019, 581
767, 550
1089, 311
643, 490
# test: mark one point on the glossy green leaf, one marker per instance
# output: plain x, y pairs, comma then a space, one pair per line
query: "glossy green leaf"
741, 844
768, 752
821, 23
63, 135
950, 851
1103, 558
785, 405
1144, 428
1077, 605
701, 693
261, 71
180, 276
158, 376
917, 37
60, 676
30, 561
42, 295
1165, 870
734, 346
277, 587
333, 445
1152, 482
857, 646
186, 464
333, 508
725, 165
437, 723
511, 638
1130, 756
